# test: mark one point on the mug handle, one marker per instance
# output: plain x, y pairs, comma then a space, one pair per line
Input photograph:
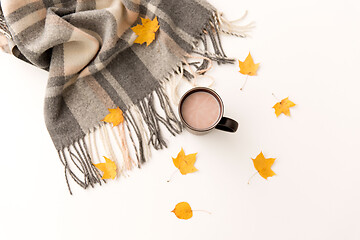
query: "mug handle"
227, 125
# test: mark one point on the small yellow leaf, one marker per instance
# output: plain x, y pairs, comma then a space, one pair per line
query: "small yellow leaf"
108, 168
263, 165
183, 211
115, 117
283, 107
185, 163
248, 67
146, 31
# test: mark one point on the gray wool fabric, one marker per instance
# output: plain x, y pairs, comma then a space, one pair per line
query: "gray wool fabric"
88, 48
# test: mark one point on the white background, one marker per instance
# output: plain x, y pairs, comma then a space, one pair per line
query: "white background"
308, 50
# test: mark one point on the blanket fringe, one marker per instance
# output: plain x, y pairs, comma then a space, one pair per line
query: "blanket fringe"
143, 120
79, 156
212, 30
141, 127
229, 27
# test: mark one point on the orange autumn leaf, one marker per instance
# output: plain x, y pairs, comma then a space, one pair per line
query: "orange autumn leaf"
263, 165
183, 211
248, 67
185, 163
108, 168
115, 117
283, 107
146, 31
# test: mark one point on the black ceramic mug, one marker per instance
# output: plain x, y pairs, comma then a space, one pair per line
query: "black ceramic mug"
201, 110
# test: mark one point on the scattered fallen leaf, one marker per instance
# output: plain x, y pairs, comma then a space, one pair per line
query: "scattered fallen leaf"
263, 165
248, 67
183, 211
115, 117
283, 107
146, 31
185, 163
108, 168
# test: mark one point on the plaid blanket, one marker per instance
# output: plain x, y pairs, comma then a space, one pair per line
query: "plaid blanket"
88, 48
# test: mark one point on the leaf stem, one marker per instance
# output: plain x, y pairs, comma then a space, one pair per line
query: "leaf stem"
252, 177
276, 97
243, 86
172, 175
202, 211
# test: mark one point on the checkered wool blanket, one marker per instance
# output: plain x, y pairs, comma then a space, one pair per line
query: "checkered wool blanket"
87, 46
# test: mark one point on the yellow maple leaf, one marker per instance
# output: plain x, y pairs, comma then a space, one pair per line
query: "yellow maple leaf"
115, 117
248, 67
185, 163
183, 211
263, 165
108, 168
283, 107
146, 31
